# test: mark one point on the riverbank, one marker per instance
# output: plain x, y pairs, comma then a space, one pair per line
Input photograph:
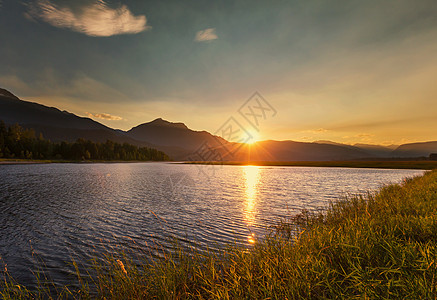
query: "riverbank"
7, 161
383, 245
47, 161
419, 164
383, 164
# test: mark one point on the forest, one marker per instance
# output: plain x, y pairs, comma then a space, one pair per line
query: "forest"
23, 143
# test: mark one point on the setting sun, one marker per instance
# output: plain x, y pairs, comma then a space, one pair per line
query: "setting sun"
254, 137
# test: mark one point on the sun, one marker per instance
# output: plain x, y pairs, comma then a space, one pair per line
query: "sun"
254, 137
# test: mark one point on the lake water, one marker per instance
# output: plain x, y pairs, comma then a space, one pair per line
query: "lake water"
58, 212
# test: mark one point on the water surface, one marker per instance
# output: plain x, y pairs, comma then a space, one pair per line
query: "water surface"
58, 212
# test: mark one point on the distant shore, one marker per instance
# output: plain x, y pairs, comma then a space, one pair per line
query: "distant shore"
383, 164
48, 161
7, 161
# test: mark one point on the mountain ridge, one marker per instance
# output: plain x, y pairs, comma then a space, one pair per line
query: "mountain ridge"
181, 142
6, 93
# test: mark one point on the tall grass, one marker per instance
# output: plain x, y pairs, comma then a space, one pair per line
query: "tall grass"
381, 245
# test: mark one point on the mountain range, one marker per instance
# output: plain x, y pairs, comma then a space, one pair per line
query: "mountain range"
182, 143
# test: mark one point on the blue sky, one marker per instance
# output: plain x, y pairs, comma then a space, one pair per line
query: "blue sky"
348, 71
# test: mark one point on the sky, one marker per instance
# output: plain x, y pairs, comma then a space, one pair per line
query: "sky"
344, 71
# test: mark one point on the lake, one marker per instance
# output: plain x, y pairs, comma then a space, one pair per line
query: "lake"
53, 213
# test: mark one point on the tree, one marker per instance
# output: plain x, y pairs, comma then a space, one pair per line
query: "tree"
16, 141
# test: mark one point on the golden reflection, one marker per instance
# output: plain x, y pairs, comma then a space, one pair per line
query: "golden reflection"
251, 238
251, 174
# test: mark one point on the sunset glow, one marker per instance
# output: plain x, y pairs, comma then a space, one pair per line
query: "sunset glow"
344, 72
218, 149
254, 137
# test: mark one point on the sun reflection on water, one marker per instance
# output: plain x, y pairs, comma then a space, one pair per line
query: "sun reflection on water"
251, 174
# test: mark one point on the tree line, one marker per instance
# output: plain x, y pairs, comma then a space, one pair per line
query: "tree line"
19, 142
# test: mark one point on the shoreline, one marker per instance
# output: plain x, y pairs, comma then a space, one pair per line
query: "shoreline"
377, 164
40, 162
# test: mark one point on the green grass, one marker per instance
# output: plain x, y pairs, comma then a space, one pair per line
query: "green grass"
383, 164
383, 245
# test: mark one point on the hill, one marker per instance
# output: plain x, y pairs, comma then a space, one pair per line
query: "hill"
298, 151
176, 139
183, 143
415, 149
55, 124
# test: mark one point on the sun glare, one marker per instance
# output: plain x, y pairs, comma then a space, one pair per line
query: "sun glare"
254, 137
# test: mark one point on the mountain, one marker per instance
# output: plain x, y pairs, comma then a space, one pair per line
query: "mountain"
165, 133
179, 141
369, 149
377, 150
298, 151
7, 94
333, 143
415, 149
182, 143
54, 124
176, 139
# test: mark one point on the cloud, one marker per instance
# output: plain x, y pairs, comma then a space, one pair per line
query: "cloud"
318, 130
365, 137
96, 19
104, 116
206, 35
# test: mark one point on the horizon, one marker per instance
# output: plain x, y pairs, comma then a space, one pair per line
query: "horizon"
348, 72
250, 142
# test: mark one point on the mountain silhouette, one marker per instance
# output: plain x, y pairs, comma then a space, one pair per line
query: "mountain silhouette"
7, 94
55, 124
298, 151
176, 139
415, 149
182, 143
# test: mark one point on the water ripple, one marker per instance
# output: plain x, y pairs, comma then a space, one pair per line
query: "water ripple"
58, 212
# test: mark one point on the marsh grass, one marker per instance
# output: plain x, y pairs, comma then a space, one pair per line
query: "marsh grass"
381, 245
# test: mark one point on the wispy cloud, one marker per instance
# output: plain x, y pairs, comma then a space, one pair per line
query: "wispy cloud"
206, 35
104, 116
319, 130
315, 131
96, 19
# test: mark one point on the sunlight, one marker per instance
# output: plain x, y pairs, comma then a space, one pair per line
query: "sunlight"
255, 137
251, 174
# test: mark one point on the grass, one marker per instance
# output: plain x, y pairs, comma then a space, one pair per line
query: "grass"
382, 245
382, 164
